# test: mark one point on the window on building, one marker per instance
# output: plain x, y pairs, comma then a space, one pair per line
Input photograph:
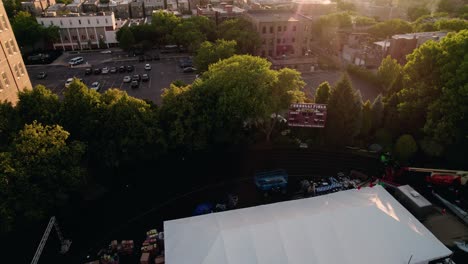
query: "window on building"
294, 28
1, 87
42, 22
83, 37
71, 23
270, 53
91, 36
106, 21
263, 41
284, 40
278, 41
16, 71
279, 28
51, 23
263, 30
5, 79
272, 41
89, 22
74, 37
13, 46
79, 21
97, 21
21, 67
3, 22
284, 28
271, 29
292, 51
8, 48
61, 22
263, 53
293, 40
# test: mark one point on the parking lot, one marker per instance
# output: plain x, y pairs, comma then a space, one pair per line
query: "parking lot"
161, 75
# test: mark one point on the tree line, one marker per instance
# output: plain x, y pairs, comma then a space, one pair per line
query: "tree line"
166, 28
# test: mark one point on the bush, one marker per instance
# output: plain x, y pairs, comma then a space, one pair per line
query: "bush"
405, 148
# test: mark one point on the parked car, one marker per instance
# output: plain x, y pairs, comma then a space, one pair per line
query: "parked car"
141, 58
95, 86
68, 82
97, 71
42, 75
127, 79
106, 52
113, 70
105, 70
76, 61
130, 68
145, 77
185, 62
147, 67
122, 69
136, 77
134, 84
189, 69
88, 71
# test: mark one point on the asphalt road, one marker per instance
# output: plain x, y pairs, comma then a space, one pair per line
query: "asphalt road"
163, 72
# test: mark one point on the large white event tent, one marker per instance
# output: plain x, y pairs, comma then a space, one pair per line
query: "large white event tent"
366, 226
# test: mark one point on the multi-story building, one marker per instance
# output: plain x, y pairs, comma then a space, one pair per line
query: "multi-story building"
314, 7
151, 5
75, 7
90, 6
220, 12
136, 9
36, 7
404, 44
285, 37
13, 75
83, 31
120, 8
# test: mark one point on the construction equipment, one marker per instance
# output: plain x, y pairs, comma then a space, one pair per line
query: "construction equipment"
65, 243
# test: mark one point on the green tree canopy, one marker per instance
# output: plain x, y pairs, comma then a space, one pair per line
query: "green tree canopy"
342, 114
454, 24
9, 124
322, 93
389, 72
39, 104
27, 30
209, 53
416, 12
390, 27
366, 124
188, 34
125, 38
164, 24
242, 32
38, 173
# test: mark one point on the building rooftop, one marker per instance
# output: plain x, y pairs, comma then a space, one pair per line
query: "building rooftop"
270, 16
417, 35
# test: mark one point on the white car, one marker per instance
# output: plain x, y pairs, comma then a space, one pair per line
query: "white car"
68, 82
106, 51
127, 79
96, 86
147, 67
105, 70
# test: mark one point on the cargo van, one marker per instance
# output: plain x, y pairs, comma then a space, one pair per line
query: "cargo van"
76, 61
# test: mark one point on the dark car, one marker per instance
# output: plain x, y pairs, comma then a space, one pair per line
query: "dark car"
88, 71
136, 77
122, 69
141, 58
184, 63
145, 77
134, 84
97, 71
113, 70
130, 68
42, 75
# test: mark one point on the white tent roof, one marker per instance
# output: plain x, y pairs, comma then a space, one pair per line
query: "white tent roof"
364, 226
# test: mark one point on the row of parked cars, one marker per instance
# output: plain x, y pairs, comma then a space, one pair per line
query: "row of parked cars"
121, 69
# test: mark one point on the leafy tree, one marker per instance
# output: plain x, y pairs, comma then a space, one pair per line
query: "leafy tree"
454, 24
389, 72
206, 26
364, 21
9, 124
164, 23
39, 104
12, 7
27, 30
126, 38
322, 93
50, 34
210, 53
446, 6
79, 111
366, 124
345, 6
242, 32
416, 12
405, 148
343, 114
39, 173
188, 35
389, 28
